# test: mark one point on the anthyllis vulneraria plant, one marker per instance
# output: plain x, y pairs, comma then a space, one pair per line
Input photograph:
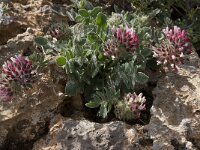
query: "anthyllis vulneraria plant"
126, 37
6, 92
111, 49
99, 55
173, 50
130, 107
179, 39
18, 69
124, 40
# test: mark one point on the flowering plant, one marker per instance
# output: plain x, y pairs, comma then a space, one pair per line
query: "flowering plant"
130, 107
106, 56
173, 50
18, 71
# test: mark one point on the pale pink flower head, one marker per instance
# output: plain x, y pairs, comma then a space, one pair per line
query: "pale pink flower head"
174, 50
136, 103
167, 56
179, 39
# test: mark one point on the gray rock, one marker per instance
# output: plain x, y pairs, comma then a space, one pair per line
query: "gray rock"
69, 134
26, 117
22, 42
175, 121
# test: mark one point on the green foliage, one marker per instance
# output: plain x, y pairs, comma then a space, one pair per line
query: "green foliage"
48, 46
105, 100
100, 79
141, 78
41, 41
39, 61
80, 58
145, 52
61, 61
82, 4
101, 20
90, 72
123, 112
71, 88
84, 13
125, 75
95, 11
183, 13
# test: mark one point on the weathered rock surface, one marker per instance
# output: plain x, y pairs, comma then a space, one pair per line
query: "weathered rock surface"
30, 18
32, 14
33, 118
69, 134
175, 121
21, 43
26, 118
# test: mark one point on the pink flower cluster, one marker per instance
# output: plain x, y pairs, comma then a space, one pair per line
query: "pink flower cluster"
111, 49
126, 38
174, 49
136, 103
17, 69
179, 39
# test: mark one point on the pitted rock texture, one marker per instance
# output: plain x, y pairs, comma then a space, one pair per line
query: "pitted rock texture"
70, 134
31, 18
22, 43
26, 118
175, 121
32, 119
37, 14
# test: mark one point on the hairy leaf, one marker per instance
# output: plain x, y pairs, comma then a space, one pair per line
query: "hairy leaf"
84, 13
61, 61
141, 78
41, 41
101, 20
92, 104
71, 88
146, 52
95, 11
106, 99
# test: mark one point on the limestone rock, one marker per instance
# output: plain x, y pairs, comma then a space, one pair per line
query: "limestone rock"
175, 121
27, 117
32, 14
21, 43
70, 134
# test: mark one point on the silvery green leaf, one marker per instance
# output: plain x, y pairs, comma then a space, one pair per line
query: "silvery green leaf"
71, 88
